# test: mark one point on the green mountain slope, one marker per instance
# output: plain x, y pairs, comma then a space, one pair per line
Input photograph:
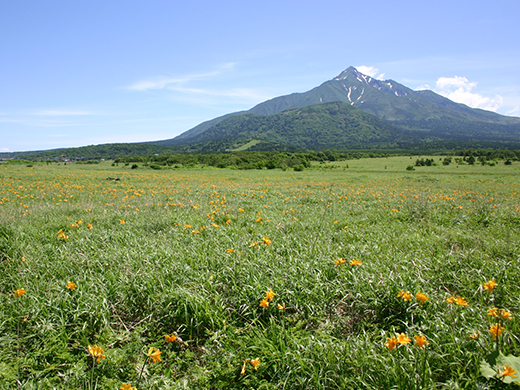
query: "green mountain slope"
330, 125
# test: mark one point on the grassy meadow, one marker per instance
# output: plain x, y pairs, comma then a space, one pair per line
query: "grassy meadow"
351, 275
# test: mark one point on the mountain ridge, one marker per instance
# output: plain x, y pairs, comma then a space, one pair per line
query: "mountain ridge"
385, 99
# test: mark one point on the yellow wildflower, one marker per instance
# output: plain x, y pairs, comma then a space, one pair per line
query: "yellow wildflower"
71, 286
493, 312
405, 295
127, 386
154, 354
258, 219
339, 261
496, 330
269, 295
508, 371
391, 343
254, 243
96, 352
19, 293
403, 339
420, 341
421, 297
490, 285
461, 301
451, 299
244, 367
474, 336
267, 241
170, 338
241, 210
255, 363
506, 315
280, 307
122, 221
355, 262
264, 303
230, 250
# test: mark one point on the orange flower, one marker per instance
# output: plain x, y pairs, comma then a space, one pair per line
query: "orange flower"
451, 299
244, 367
496, 330
89, 226
96, 352
474, 336
122, 221
230, 250
170, 338
19, 293
355, 262
255, 363
461, 301
127, 386
490, 285
421, 297
154, 354
71, 286
405, 295
269, 295
339, 261
391, 343
241, 210
264, 303
267, 241
506, 315
508, 371
420, 341
403, 339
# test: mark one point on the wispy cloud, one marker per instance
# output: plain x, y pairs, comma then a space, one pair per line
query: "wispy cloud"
459, 89
514, 112
48, 117
163, 82
62, 113
371, 71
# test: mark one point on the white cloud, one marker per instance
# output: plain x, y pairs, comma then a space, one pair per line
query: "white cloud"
371, 71
162, 82
5, 150
514, 112
61, 113
459, 90
422, 87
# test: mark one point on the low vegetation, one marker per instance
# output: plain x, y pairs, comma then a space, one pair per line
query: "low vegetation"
346, 274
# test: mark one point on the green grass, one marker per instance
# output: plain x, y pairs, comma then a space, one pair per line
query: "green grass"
442, 230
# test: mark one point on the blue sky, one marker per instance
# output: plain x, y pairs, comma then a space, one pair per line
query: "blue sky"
76, 73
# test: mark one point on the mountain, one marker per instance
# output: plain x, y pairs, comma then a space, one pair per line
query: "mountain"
422, 115
322, 126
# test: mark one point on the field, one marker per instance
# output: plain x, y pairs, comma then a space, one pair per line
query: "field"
351, 275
